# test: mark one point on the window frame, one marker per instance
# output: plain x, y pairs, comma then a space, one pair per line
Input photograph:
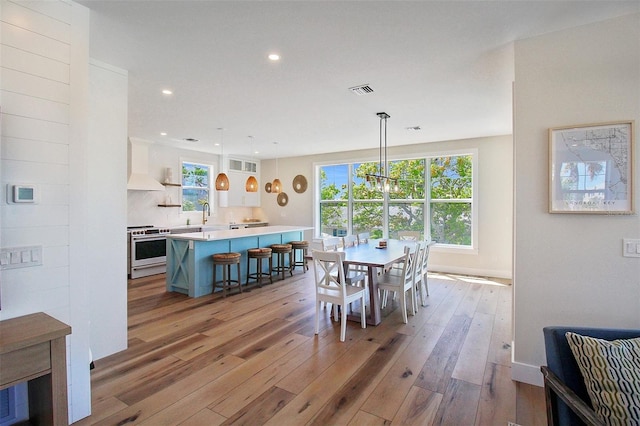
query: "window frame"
210, 187
386, 200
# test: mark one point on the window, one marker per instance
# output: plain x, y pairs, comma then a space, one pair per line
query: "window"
434, 198
334, 196
196, 185
451, 200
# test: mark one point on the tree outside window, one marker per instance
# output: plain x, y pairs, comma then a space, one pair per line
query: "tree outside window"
334, 196
196, 185
451, 199
437, 205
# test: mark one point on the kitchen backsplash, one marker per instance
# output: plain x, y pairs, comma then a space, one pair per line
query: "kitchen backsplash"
142, 209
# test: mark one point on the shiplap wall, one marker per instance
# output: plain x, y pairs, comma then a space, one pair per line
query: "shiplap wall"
44, 98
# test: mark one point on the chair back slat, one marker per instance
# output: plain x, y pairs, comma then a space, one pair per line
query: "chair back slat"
329, 270
409, 265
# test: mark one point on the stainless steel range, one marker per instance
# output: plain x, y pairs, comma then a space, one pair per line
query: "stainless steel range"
147, 250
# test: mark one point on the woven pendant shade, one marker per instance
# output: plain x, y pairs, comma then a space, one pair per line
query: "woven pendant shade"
276, 186
222, 182
251, 185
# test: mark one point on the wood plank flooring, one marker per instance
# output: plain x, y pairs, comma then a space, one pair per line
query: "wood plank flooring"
253, 359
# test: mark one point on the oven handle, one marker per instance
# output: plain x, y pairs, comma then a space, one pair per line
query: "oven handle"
150, 237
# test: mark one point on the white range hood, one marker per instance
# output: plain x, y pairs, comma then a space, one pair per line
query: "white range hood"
139, 179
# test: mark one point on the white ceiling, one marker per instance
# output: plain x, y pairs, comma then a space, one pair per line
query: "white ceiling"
444, 66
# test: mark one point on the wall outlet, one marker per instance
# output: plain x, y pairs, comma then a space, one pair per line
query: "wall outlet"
630, 247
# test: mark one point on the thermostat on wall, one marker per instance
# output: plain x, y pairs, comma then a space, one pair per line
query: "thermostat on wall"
21, 193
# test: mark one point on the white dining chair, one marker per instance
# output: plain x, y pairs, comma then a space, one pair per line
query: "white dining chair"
363, 237
409, 235
332, 287
331, 243
418, 280
401, 283
349, 241
423, 266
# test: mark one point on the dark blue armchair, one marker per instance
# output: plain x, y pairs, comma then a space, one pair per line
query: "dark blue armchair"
566, 394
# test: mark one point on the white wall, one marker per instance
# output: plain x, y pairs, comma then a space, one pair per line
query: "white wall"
569, 268
494, 175
107, 205
44, 99
142, 206
57, 131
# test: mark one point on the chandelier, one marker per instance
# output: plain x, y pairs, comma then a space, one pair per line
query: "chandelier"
381, 181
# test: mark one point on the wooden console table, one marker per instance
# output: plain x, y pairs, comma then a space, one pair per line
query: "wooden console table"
33, 350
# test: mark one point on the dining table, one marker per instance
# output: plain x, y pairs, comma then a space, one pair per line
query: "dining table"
375, 259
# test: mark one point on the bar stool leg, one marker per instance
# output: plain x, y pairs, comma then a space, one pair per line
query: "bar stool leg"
248, 270
260, 272
215, 268
239, 279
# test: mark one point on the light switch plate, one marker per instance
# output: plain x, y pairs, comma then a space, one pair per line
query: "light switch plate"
631, 247
20, 257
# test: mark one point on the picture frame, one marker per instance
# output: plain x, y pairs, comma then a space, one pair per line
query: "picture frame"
591, 168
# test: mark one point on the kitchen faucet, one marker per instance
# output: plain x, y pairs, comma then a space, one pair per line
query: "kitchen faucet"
205, 207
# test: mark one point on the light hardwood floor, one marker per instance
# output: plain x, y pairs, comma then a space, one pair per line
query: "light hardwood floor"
253, 359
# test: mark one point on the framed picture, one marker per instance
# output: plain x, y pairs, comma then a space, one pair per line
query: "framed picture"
591, 168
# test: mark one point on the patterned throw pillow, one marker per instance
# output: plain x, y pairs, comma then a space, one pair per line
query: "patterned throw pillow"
611, 371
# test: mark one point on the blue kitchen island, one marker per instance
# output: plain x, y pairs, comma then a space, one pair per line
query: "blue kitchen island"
189, 263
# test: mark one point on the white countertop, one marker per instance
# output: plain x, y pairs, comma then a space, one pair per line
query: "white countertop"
212, 224
237, 233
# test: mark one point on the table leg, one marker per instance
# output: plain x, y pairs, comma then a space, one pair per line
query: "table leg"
374, 299
374, 316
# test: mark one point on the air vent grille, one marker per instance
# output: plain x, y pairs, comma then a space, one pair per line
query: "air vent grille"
363, 89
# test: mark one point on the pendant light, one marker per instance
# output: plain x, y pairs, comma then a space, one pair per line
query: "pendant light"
222, 181
276, 185
381, 181
252, 183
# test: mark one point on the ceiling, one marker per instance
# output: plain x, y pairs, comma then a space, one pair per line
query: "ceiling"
443, 66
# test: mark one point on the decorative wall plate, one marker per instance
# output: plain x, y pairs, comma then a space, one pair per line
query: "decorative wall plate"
283, 199
267, 187
299, 184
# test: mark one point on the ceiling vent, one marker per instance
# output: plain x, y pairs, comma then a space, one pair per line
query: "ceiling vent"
361, 90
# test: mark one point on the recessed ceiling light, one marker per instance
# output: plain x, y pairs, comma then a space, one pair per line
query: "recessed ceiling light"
167, 92
163, 133
274, 57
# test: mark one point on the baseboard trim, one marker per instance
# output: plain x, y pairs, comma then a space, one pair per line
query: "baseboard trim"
526, 373
492, 273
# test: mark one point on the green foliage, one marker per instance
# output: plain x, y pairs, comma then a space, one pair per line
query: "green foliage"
195, 175
450, 177
451, 223
188, 206
195, 186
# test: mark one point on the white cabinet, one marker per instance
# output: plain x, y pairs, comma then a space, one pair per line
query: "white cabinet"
238, 171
